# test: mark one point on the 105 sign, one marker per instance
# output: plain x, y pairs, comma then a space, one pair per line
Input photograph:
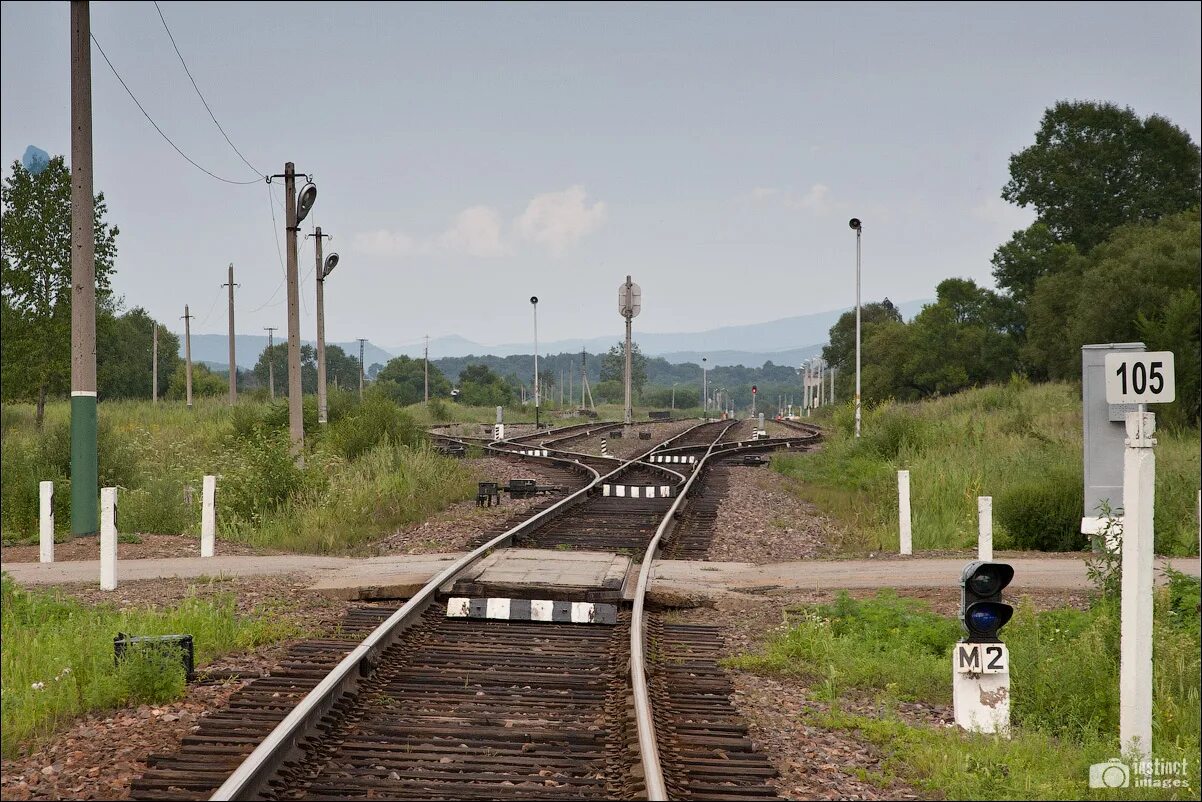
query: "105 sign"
1140, 378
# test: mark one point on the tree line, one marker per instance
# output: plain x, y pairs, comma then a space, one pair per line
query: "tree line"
1113, 256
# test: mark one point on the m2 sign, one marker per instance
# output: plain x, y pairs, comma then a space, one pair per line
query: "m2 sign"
1133, 377
982, 658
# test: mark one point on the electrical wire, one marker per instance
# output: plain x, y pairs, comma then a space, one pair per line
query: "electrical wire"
212, 306
160, 130
200, 95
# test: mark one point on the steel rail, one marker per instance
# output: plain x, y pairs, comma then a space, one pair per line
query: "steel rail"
653, 773
256, 770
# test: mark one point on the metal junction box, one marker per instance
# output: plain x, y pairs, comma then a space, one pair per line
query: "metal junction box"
1105, 433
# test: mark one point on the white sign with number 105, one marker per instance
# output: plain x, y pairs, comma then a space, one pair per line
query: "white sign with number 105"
1140, 378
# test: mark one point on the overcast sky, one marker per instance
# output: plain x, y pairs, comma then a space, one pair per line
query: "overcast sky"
469, 156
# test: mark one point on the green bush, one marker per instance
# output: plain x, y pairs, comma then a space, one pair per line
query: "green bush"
1043, 513
890, 430
439, 410
260, 475
374, 422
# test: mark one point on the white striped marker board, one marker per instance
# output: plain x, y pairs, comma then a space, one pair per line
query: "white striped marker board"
554, 612
637, 491
673, 458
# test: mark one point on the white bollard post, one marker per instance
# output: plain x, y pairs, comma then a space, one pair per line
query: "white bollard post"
108, 538
903, 512
1135, 652
46, 523
208, 518
985, 528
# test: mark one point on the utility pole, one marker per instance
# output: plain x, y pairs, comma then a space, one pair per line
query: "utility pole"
84, 467
154, 362
233, 360
270, 361
361, 341
855, 223
321, 328
296, 412
427, 367
188, 355
705, 400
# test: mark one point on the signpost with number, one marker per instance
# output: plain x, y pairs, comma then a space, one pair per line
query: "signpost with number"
1138, 378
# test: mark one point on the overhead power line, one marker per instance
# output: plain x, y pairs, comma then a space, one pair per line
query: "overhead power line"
160, 130
200, 95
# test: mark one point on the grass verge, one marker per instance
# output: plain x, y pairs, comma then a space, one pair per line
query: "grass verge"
894, 649
57, 655
1020, 443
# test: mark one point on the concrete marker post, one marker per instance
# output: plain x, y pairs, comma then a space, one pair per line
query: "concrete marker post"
1135, 651
46, 522
905, 537
208, 518
985, 528
108, 538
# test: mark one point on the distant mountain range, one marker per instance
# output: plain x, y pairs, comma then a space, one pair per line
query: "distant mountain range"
787, 341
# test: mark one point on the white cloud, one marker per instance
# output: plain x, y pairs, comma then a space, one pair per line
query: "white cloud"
476, 232
558, 220
816, 200
382, 242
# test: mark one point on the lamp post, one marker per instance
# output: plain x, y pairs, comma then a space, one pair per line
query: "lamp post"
674, 395
855, 224
324, 269
296, 208
705, 399
534, 304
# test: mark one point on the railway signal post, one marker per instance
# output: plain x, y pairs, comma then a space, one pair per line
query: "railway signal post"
980, 661
630, 303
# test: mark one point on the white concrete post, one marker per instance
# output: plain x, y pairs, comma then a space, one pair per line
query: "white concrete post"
985, 528
903, 512
46, 523
108, 538
1135, 653
208, 518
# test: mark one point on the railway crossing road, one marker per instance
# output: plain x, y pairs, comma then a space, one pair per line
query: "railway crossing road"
399, 575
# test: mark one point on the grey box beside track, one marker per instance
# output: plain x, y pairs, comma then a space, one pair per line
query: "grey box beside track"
1105, 429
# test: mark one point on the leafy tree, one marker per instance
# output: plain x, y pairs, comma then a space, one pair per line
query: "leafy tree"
403, 380
342, 369
479, 386
1143, 282
124, 352
35, 279
1095, 167
204, 382
1030, 255
841, 351
277, 356
613, 367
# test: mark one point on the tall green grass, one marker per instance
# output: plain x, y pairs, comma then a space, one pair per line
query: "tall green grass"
366, 472
58, 655
897, 650
1020, 443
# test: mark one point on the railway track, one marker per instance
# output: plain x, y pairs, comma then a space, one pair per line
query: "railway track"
418, 702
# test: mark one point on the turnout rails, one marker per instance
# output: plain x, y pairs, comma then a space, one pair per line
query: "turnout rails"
453, 696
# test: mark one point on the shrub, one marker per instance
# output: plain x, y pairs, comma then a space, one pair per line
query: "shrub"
891, 430
261, 475
439, 410
1044, 513
376, 421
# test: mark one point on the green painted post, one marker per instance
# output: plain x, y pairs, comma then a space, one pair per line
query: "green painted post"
84, 470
